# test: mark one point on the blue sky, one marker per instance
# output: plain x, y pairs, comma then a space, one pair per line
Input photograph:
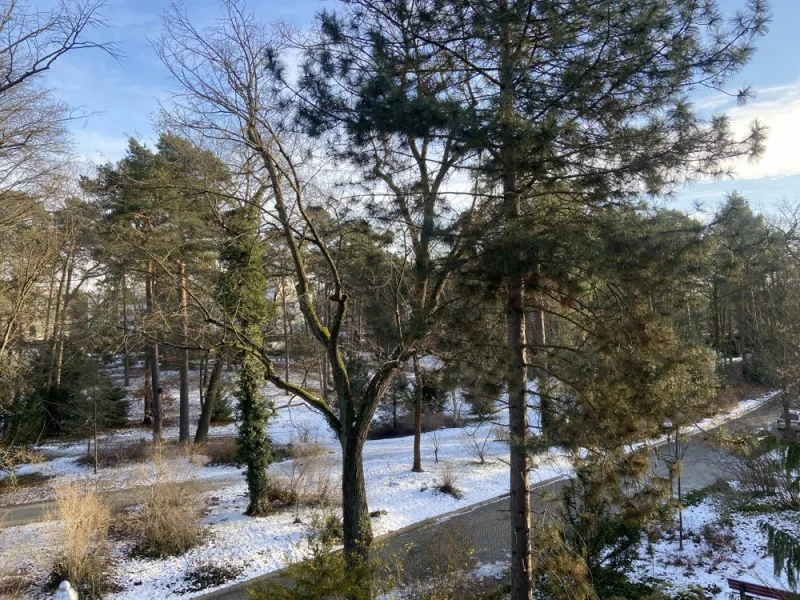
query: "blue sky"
121, 97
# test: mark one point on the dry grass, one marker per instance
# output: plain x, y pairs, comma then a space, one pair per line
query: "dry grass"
13, 585
11, 457
305, 480
113, 457
12, 484
220, 451
168, 523
80, 545
14, 580
448, 484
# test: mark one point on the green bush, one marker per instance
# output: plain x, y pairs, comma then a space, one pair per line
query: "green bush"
696, 497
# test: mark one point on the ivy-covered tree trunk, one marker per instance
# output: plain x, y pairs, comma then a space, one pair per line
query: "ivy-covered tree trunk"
254, 442
243, 292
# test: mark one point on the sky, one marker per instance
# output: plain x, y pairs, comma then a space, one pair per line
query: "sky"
120, 97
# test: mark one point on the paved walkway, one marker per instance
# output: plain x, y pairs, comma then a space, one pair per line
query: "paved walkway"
486, 526
34, 512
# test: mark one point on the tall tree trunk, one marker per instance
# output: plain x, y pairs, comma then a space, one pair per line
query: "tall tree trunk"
126, 355
715, 313
57, 318
203, 379
539, 360
520, 502
148, 393
417, 467
155, 368
201, 436
356, 525
48, 315
183, 420
62, 327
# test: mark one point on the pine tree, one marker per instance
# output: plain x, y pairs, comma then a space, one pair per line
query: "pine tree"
581, 103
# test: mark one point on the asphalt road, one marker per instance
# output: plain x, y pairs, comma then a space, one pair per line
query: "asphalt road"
22, 514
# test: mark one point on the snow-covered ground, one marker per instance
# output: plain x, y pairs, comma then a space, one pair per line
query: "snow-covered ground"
717, 544
256, 546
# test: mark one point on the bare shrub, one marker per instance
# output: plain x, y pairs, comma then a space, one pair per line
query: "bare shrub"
405, 425
109, 457
305, 433
448, 484
81, 542
477, 442
168, 523
206, 574
500, 433
719, 537
433, 442
757, 473
221, 451
304, 480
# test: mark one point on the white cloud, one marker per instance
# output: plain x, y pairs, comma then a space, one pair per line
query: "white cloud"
778, 108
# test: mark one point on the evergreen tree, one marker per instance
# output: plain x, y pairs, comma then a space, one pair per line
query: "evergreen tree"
581, 102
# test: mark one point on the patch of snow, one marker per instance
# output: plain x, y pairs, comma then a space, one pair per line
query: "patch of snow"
714, 551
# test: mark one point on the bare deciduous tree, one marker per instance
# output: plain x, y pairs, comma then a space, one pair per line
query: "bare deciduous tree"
232, 92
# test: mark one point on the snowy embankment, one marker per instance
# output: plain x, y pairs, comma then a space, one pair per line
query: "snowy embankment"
256, 546
719, 543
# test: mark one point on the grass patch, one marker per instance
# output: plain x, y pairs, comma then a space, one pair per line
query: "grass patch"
221, 451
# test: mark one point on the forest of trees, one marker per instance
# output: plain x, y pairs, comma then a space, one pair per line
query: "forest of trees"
481, 183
